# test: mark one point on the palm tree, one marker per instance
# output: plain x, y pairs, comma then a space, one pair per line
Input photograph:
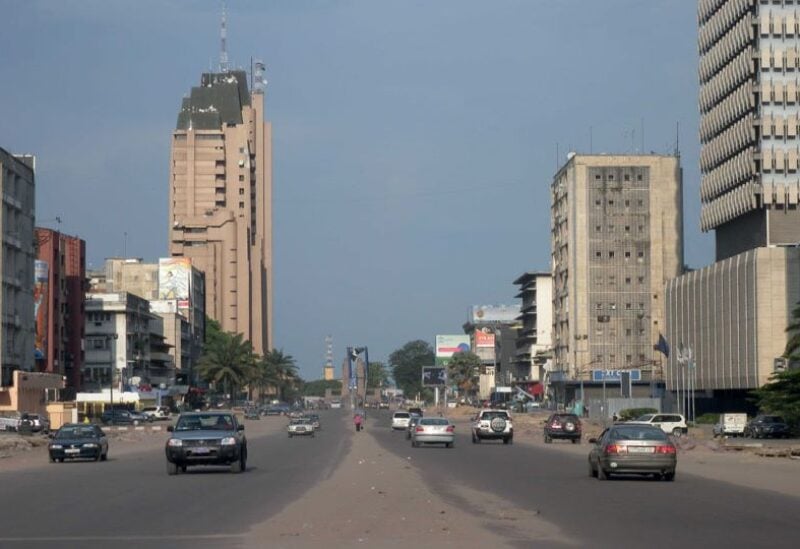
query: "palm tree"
280, 371
228, 360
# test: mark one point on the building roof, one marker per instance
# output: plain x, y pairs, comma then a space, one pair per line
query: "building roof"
218, 100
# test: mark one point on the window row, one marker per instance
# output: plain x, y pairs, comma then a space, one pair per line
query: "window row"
627, 229
612, 306
614, 202
627, 254
98, 317
612, 279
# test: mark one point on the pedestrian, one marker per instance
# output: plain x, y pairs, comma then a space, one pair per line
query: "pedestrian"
357, 420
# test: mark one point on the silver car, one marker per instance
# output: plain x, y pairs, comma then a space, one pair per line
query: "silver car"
632, 449
433, 430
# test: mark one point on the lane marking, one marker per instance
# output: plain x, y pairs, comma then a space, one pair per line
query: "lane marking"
176, 537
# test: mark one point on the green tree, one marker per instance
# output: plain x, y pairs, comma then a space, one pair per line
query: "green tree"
228, 360
781, 395
406, 364
279, 370
792, 350
463, 371
318, 387
378, 375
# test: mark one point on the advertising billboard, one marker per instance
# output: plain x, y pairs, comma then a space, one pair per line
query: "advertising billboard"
41, 283
448, 345
494, 313
434, 376
483, 340
174, 279
615, 375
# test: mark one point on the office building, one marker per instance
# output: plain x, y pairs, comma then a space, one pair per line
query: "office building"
749, 123
534, 335
60, 286
220, 201
617, 238
17, 255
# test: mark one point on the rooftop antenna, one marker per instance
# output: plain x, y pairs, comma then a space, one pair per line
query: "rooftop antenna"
224, 65
677, 139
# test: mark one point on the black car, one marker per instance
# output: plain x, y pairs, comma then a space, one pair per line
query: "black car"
78, 440
563, 427
767, 427
206, 438
122, 417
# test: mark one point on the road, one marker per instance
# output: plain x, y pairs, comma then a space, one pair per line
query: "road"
129, 501
690, 512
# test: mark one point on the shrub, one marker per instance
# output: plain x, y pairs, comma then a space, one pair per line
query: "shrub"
707, 419
632, 413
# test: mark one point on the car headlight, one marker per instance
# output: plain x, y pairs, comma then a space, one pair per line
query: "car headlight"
90, 445
56, 447
174, 442
228, 441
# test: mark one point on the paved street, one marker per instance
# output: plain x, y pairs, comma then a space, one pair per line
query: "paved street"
522, 495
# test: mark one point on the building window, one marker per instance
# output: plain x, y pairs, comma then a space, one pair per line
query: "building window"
610, 202
628, 306
638, 177
613, 306
241, 205
597, 228
241, 178
641, 280
598, 254
610, 254
627, 359
640, 254
627, 203
627, 177
627, 228
241, 192
641, 305
627, 331
640, 202
611, 177
627, 280
627, 254
597, 202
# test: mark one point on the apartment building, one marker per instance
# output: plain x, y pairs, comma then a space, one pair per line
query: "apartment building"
534, 335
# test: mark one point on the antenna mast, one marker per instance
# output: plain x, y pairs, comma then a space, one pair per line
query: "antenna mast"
224, 66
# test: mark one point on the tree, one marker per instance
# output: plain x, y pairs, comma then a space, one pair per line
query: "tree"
792, 350
781, 395
318, 387
406, 364
378, 375
278, 370
463, 371
228, 360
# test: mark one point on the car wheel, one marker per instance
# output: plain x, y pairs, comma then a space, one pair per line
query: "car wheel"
601, 473
104, 457
236, 466
183, 468
677, 432
172, 468
99, 456
547, 439
592, 472
52, 459
669, 477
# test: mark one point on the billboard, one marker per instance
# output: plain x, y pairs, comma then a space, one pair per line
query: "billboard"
174, 279
434, 376
615, 375
483, 340
494, 313
448, 345
41, 280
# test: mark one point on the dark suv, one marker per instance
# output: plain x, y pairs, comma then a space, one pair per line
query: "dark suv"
206, 438
562, 426
767, 427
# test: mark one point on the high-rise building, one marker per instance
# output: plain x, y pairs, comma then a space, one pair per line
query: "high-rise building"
534, 338
59, 291
220, 207
617, 237
17, 255
749, 123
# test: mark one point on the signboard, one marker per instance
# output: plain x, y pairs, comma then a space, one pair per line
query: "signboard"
615, 375
174, 278
448, 345
494, 313
433, 376
41, 288
483, 340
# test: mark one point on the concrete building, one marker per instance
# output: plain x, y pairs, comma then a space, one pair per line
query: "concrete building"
17, 255
176, 292
534, 340
220, 207
60, 287
121, 331
616, 239
733, 316
749, 123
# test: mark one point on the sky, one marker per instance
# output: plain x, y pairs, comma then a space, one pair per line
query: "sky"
414, 141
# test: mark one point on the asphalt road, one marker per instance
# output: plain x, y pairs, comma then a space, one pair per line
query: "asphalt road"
129, 501
689, 512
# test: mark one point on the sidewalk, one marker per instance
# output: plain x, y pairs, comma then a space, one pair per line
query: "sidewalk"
377, 499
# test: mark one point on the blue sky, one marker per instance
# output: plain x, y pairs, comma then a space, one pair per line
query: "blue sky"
414, 141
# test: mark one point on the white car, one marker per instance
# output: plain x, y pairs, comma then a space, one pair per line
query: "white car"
493, 425
671, 424
156, 412
301, 427
400, 420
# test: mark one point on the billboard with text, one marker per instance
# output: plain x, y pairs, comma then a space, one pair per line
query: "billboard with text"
448, 345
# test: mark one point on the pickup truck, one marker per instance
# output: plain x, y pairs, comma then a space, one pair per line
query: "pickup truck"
730, 425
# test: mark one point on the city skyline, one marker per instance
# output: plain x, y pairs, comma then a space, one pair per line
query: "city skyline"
370, 220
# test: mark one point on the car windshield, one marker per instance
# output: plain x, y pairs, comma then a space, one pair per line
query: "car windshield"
634, 432
401, 414
434, 421
492, 415
566, 418
646, 417
299, 422
76, 432
205, 422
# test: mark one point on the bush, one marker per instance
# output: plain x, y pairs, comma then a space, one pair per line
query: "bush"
707, 419
633, 413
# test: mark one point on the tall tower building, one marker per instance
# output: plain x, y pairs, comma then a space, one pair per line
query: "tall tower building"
220, 207
616, 225
749, 123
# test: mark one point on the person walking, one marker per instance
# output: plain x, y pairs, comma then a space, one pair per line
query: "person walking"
357, 421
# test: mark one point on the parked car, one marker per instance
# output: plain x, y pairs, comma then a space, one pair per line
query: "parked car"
766, 426
206, 438
433, 430
730, 425
120, 417
37, 423
157, 413
671, 424
78, 440
400, 420
273, 411
562, 427
628, 448
412, 424
300, 427
493, 424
